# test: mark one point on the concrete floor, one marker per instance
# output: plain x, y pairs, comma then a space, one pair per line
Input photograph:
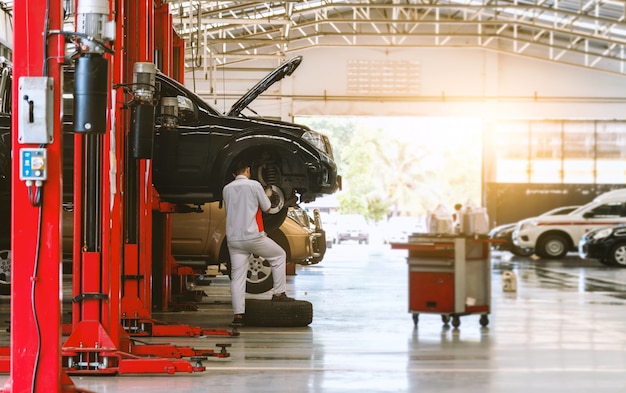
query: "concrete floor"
564, 330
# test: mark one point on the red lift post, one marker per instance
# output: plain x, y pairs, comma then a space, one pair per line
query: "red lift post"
149, 32
98, 344
35, 353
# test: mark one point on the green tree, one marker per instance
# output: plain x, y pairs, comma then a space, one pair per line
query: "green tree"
431, 162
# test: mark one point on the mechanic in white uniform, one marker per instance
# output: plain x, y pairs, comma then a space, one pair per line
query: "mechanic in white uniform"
244, 200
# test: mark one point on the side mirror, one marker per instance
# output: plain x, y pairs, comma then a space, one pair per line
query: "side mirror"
588, 215
186, 109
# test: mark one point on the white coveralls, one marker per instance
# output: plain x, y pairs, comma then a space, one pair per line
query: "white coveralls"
244, 200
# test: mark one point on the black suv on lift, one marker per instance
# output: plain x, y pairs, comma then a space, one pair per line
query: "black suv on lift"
193, 160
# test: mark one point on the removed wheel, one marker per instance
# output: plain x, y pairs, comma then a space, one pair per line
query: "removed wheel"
267, 313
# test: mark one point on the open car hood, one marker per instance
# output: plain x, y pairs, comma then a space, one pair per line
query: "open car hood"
285, 69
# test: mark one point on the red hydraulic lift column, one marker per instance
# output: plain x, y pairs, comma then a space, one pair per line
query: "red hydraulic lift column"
153, 34
36, 302
98, 344
138, 43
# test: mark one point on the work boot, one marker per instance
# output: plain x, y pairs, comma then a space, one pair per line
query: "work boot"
237, 321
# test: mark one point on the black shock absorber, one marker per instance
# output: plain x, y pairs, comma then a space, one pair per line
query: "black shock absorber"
269, 174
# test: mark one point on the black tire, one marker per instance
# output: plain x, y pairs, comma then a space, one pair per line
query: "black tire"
553, 247
618, 255
271, 222
267, 313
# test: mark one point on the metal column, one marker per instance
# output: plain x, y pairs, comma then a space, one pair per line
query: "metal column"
36, 304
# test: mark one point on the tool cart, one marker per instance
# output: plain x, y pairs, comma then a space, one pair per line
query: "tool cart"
449, 275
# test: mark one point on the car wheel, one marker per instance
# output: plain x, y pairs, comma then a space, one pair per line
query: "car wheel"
259, 278
618, 255
522, 252
275, 217
553, 247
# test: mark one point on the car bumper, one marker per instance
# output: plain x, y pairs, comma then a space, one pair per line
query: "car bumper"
592, 250
523, 239
318, 246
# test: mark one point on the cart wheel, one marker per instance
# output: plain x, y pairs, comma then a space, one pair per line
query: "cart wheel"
456, 321
484, 320
445, 319
415, 319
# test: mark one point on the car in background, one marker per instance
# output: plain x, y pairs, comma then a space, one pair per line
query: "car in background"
399, 228
352, 227
607, 245
553, 237
503, 234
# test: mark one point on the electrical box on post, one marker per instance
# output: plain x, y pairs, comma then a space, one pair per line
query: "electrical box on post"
36, 106
33, 164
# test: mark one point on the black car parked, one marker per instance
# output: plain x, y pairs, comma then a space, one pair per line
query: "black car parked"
607, 245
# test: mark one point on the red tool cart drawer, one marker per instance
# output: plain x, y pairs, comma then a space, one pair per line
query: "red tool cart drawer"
431, 292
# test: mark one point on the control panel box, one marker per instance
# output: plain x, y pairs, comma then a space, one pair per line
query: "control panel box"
35, 113
33, 164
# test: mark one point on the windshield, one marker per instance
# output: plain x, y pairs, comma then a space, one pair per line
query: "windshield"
172, 88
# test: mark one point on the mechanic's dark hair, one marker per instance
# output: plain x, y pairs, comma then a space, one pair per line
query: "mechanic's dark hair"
240, 166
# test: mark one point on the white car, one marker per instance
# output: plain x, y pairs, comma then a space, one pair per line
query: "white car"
399, 228
553, 237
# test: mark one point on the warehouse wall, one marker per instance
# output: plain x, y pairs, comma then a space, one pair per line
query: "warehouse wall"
446, 82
